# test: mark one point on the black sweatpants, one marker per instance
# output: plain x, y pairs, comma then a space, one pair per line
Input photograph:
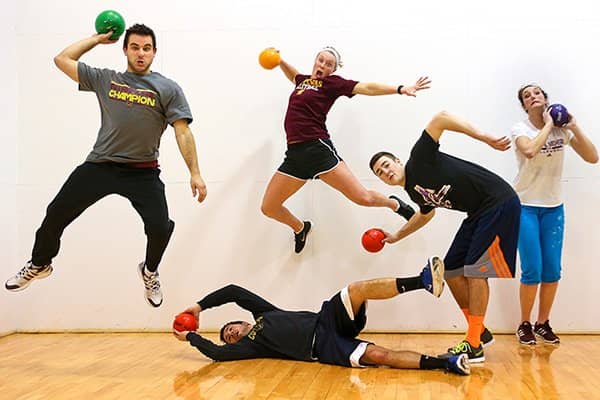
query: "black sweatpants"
90, 182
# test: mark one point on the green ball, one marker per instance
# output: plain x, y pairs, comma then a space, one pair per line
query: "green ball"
110, 20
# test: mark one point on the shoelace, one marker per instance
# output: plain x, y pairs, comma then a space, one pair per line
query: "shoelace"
546, 332
151, 282
28, 272
521, 332
462, 347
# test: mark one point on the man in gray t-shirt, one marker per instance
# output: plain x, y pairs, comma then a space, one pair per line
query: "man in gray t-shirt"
136, 107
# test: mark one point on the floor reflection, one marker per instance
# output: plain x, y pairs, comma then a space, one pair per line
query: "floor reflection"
284, 379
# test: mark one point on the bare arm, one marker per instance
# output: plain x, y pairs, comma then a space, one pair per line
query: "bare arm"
531, 147
289, 71
379, 89
415, 223
581, 143
374, 89
67, 59
444, 121
187, 147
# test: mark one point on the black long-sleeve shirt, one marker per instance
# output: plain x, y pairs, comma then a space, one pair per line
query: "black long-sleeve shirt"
276, 334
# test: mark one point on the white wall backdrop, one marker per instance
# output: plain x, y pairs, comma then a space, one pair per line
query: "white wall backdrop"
8, 162
477, 54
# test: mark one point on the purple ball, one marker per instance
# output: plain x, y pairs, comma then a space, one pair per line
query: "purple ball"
559, 115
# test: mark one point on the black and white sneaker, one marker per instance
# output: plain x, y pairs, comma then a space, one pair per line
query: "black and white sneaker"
152, 291
525, 333
486, 338
544, 331
403, 209
26, 275
475, 354
300, 237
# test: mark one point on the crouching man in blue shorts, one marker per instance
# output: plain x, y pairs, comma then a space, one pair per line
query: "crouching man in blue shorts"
485, 245
328, 336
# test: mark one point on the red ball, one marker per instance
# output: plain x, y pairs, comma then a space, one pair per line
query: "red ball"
185, 322
372, 240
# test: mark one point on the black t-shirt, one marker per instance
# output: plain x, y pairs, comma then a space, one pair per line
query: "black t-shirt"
435, 179
276, 334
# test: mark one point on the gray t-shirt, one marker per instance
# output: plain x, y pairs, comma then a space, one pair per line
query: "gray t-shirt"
135, 111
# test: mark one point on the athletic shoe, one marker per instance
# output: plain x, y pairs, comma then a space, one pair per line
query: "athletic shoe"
545, 332
459, 365
433, 276
404, 209
475, 354
486, 338
300, 237
152, 291
27, 274
525, 333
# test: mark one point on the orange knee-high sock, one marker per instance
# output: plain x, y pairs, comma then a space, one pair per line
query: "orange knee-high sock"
466, 312
475, 329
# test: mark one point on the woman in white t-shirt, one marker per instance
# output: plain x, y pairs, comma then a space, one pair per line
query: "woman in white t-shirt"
539, 147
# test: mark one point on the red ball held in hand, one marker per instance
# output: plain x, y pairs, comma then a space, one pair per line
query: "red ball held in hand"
372, 240
185, 322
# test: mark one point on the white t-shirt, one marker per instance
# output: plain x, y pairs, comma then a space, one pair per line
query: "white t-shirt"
538, 180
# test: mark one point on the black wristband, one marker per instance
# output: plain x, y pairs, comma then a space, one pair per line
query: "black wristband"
399, 89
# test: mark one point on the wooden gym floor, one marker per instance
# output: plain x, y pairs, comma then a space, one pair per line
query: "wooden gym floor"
157, 366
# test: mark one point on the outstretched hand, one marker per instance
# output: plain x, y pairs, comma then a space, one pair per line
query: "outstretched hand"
500, 144
422, 83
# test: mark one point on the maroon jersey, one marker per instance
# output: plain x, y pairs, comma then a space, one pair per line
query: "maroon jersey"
309, 104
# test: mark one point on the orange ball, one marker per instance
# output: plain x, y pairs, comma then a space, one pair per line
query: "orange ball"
185, 322
269, 58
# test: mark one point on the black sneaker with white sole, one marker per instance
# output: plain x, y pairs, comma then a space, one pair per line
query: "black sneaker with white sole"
545, 332
486, 338
300, 237
475, 354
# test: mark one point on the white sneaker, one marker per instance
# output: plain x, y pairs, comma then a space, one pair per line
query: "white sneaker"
27, 274
433, 276
152, 290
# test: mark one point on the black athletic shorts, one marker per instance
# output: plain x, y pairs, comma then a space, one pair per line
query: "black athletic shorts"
336, 331
307, 160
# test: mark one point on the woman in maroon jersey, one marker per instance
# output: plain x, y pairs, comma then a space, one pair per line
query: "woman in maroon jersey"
310, 153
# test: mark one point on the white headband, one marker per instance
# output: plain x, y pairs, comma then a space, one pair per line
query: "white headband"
336, 54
